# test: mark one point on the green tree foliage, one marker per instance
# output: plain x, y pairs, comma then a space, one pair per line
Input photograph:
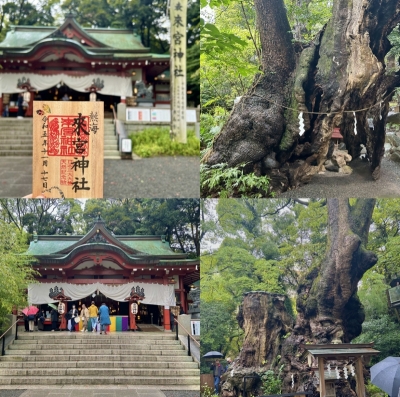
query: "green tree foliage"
15, 273
26, 12
218, 327
252, 248
372, 294
384, 332
177, 219
43, 216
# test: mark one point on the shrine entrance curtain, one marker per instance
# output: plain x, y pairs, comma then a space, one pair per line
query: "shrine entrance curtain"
113, 85
155, 294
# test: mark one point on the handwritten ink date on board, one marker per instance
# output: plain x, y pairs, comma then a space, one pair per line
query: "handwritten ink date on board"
68, 140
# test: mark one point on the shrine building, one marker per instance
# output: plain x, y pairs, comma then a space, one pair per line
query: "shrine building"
49, 63
140, 278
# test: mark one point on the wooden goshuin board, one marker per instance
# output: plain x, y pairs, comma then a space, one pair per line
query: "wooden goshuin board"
68, 140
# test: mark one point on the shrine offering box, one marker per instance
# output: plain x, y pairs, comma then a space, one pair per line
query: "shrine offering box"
68, 143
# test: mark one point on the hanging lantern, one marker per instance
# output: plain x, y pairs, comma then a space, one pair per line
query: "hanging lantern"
301, 124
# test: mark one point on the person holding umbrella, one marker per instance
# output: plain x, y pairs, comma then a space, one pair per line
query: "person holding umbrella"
30, 312
386, 375
218, 370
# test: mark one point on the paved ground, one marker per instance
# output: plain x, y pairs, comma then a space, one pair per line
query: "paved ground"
166, 177
358, 184
97, 391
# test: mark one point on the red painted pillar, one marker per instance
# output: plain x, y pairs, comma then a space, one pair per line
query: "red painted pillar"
182, 294
167, 321
29, 110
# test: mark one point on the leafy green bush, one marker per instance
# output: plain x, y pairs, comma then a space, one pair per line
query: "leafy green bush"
211, 125
156, 141
374, 391
271, 383
222, 181
384, 332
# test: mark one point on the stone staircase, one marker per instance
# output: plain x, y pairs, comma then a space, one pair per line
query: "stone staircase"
16, 138
63, 358
110, 141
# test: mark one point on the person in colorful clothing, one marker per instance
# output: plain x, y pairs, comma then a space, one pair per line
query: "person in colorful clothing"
104, 314
93, 311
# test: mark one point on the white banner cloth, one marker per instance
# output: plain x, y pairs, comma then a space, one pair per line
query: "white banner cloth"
113, 85
155, 294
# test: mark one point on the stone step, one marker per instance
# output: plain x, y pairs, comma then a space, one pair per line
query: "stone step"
98, 372
101, 364
15, 153
8, 147
16, 132
104, 380
63, 350
94, 357
87, 338
79, 335
93, 345
15, 139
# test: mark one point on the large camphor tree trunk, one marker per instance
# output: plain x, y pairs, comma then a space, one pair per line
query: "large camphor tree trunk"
342, 70
328, 309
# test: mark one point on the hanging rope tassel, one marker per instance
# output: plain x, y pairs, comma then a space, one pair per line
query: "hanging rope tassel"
345, 372
355, 123
301, 124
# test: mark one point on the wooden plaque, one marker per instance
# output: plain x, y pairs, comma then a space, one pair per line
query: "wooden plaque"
68, 141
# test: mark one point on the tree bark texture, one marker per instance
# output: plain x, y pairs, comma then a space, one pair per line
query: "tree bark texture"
341, 71
265, 320
328, 309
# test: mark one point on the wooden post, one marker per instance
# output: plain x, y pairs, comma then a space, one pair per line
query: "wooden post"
360, 387
68, 145
177, 50
322, 391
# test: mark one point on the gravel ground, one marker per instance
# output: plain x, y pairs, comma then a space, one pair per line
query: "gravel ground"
166, 177
177, 393
357, 184
11, 393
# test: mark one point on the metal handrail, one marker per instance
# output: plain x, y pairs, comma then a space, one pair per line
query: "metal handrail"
119, 129
198, 344
3, 346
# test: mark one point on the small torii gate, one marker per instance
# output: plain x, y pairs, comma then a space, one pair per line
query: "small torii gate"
340, 352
